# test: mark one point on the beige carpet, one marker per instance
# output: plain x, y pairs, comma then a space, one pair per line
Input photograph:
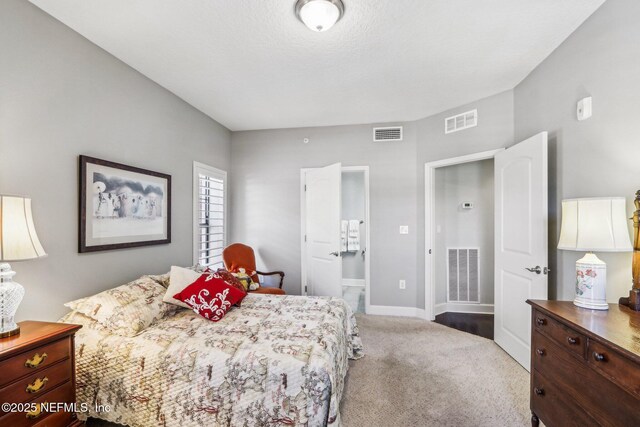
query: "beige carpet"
418, 373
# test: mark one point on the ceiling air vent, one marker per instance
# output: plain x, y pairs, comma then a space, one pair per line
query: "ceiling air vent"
393, 133
461, 121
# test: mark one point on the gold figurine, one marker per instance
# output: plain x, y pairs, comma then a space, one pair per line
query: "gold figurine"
633, 301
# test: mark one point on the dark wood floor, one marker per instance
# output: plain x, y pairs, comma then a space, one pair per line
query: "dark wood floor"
477, 324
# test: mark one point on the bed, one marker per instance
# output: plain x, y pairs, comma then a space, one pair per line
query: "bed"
274, 361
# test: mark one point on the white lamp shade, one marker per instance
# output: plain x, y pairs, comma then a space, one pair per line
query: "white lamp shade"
595, 225
320, 15
18, 238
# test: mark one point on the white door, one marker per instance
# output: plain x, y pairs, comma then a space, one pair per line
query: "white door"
323, 196
521, 251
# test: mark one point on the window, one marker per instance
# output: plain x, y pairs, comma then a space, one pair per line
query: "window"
209, 213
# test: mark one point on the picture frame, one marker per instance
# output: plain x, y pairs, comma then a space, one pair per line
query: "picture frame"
122, 206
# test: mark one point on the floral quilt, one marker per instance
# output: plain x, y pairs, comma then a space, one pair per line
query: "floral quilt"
276, 361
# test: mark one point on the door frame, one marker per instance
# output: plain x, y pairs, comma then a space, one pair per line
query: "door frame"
367, 221
430, 226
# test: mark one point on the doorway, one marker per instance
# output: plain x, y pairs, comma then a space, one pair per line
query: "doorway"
344, 270
353, 238
520, 240
437, 243
464, 246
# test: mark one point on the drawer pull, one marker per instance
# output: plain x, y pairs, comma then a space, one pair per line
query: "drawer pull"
36, 360
37, 412
37, 385
572, 340
540, 321
539, 391
599, 357
540, 351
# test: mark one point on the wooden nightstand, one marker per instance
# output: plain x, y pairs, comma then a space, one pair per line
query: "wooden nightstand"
38, 366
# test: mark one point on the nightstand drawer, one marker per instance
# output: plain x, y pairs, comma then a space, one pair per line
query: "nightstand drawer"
565, 337
33, 360
58, 419
36, 384
61, 394
551, 403
621, 370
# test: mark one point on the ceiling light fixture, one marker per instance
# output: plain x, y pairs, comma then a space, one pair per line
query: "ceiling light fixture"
319, 15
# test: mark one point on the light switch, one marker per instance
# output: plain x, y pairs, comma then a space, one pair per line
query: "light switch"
402, 284
404, 229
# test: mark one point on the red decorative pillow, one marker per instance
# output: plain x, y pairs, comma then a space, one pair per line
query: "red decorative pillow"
210, 296
231, 280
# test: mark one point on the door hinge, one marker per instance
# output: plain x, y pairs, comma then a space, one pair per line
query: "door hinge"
305, 289
429, 251
305, 237
305, 187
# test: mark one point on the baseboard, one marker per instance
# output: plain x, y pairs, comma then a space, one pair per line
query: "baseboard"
353, 282
390, 310
453, 307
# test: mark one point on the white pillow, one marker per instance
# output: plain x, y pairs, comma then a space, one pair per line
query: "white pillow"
179, 278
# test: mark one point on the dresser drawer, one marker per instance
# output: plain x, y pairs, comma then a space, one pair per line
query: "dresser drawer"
33, 360
62, 394
37, 383
564, 336
615, 366
582, 384
551, 403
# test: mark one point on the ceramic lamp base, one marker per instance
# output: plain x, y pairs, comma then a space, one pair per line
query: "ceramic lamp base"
591, 283
10, 333
11, 294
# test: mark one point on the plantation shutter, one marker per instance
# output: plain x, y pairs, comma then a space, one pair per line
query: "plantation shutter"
210, 201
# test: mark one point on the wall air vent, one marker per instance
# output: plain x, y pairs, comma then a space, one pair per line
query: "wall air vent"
461, 121
393, 133
463, 275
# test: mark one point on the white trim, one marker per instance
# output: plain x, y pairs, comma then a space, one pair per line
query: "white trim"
367, 221
215, 172
361, 283
390, 310
453, 307
429, 220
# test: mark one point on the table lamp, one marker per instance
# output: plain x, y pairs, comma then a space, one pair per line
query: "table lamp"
18, 242
593, 225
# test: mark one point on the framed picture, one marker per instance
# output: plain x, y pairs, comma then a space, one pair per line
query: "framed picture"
122, 206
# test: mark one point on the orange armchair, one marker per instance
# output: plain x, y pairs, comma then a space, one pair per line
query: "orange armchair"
238, 256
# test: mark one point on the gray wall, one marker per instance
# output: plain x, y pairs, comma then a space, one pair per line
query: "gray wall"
464, 228
599, 156
68, 97
354, 207
61, 96
265, 189
265, 199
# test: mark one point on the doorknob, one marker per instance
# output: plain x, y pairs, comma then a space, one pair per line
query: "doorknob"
537, 269
334, 253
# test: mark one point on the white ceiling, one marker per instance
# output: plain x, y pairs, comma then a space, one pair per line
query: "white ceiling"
250, 64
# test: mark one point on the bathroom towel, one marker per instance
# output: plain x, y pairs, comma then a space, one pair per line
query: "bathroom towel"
353, 237
344, 227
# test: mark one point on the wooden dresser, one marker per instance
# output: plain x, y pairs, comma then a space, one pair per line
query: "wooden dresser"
585, 365
38, 366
